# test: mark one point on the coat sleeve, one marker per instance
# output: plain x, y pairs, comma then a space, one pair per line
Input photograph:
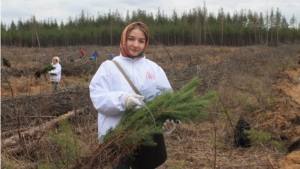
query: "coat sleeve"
57, 69
105, 101
163, 84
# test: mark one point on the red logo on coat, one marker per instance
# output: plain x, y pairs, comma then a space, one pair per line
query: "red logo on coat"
150, 76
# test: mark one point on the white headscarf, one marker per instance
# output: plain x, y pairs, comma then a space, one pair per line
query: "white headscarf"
56, 57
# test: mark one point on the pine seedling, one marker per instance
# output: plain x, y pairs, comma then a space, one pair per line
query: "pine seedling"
258, 137
66, 141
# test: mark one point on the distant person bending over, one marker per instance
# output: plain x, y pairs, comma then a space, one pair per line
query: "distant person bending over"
82, 54
55, 74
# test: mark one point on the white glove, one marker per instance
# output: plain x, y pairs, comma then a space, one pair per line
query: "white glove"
169, 126
131, 101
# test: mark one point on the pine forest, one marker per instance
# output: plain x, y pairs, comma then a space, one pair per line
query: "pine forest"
197, 26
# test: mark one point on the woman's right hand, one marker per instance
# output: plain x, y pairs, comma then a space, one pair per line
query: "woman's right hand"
132, 100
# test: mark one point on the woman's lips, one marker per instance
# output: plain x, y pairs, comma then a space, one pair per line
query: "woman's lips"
133, 50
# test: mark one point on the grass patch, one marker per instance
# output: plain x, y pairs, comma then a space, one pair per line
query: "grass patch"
259, 137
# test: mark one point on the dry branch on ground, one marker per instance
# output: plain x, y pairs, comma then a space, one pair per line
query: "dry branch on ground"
14, 144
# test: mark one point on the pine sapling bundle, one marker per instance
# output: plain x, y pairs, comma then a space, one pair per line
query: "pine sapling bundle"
137, 126
44, 70
48, 68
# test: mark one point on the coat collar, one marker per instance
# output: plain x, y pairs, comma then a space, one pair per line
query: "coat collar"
133, 59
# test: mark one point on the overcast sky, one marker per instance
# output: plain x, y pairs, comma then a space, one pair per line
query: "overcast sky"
62, 9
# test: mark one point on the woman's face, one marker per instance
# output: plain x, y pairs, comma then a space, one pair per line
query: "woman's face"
54, 61
136, 41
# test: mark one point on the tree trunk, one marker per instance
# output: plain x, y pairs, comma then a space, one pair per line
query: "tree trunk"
222, 33
277, 38
267, 27
111, 41
255, 36
200, 31
204, 31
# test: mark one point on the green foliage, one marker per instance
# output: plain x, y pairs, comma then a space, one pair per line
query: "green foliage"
8, 165
188, 28
263, 116
271, 101
247, 107
48, 68
45, 166
278, 145
179, 165
137, 126
245, 102
67, 142
219, 145
279, 66
258, 137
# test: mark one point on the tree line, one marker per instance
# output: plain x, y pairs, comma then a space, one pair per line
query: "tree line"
194, 27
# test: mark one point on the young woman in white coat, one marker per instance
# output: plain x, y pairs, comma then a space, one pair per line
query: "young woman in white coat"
55, 74
111, 93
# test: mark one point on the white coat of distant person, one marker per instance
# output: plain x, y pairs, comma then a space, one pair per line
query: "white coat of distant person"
55, 74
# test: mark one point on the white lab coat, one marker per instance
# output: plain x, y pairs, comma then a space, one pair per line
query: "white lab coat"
57, 71
109, 87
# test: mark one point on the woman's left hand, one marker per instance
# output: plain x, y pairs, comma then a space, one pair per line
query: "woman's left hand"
169, 126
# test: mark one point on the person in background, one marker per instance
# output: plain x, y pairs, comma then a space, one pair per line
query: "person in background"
111, 55
55, 74
111, 93
82, 54
94, 55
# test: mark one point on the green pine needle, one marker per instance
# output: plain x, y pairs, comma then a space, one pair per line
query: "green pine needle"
48, 68
137, 127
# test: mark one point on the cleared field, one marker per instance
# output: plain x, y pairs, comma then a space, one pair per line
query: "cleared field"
259, 83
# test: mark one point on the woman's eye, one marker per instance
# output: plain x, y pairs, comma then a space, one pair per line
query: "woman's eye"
142, 41
131, 39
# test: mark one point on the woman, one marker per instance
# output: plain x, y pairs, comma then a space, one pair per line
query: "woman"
111, 93
55, 74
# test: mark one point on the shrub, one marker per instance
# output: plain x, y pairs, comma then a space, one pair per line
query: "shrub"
258, 137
